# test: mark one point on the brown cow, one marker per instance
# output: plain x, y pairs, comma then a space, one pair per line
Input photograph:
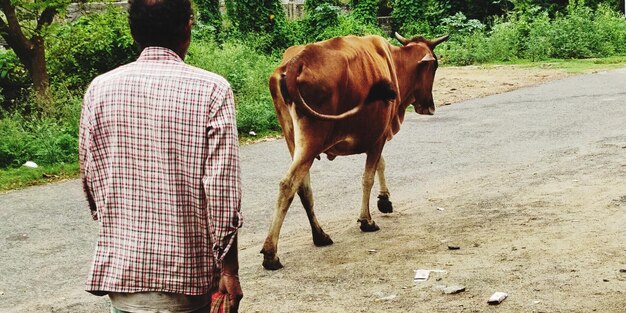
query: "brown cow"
345, 96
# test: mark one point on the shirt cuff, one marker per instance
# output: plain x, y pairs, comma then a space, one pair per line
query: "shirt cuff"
224, 242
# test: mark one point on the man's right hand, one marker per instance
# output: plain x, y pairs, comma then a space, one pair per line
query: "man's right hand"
229, 285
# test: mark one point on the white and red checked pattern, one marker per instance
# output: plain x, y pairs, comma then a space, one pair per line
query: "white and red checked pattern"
159, 150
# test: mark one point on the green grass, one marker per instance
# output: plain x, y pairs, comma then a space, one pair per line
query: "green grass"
586, 65
21, 177
577, 66
16, 178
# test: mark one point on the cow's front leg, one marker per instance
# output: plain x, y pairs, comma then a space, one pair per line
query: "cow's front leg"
286, 191
367, 224
384, 205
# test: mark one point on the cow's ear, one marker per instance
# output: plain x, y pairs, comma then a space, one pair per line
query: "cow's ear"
433, 43
427, 58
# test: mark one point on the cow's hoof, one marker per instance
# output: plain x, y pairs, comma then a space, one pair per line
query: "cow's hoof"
368, 227
272, 264
384, 205
322, 240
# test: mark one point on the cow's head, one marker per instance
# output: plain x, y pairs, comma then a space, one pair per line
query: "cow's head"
422, 53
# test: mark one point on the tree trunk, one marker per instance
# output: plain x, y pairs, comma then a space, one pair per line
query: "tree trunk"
30, 51
33, 56
38, 70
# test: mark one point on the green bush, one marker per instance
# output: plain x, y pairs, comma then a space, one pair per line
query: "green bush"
326, 22
295, 32
469, 49
14, 143
321, 18
209, 11
349, 25
468, 42
417, 28
573, 34
365, 11
14, 79
510, 35
611, 27
530, 33
248, 72
420, 12
505, 41
261, 23
45, 140
91, 45
458, 25
12, 71
584, 33
255, 16
539, 42
311, 5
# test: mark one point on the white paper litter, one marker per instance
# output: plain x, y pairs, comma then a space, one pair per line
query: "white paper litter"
422, 275
31, 164
497, 297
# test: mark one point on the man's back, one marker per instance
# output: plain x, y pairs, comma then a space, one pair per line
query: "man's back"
159, 150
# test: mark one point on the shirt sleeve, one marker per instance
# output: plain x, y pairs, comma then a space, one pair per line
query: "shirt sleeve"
84, 147
222, 181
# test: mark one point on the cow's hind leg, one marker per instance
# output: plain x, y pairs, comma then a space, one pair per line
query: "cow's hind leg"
367, 224
320, 238
384, 205
286, 191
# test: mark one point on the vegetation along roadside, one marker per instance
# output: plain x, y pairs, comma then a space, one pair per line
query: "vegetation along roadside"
570, 36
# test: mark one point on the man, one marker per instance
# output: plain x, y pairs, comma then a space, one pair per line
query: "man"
159, 161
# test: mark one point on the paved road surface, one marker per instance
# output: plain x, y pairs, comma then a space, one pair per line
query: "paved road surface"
46, 236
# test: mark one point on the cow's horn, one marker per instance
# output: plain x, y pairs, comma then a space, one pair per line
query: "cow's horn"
435, 42
402, 40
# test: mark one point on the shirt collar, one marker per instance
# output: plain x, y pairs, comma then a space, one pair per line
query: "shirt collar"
158, 54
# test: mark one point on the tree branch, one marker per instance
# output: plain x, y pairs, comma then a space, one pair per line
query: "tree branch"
45, 18
11, 30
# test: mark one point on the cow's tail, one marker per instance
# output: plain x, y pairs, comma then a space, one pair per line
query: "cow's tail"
291, 92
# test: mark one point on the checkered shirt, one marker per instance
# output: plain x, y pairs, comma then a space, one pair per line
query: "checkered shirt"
159, 153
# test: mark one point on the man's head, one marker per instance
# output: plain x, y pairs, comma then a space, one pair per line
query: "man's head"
162, 23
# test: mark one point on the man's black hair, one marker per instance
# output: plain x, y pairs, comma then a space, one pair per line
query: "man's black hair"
162, 23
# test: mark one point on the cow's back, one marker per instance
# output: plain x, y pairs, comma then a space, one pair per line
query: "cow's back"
334, 76
342, 70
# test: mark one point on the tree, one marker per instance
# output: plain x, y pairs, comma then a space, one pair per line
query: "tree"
265, 19
256, 16
210, 13
311, 5
418, 14
480, 9
365, 10
22, 27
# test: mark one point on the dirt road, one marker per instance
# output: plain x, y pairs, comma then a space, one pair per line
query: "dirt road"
530, 185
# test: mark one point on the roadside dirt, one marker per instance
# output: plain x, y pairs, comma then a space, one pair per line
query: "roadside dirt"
550, 234
456, 84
